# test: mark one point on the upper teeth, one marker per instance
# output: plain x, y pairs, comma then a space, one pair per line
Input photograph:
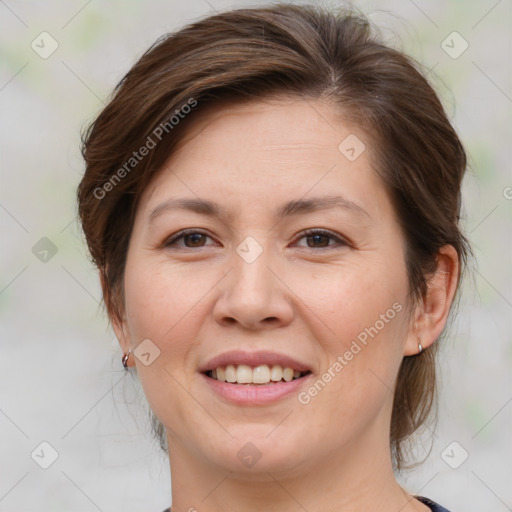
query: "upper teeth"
262, 374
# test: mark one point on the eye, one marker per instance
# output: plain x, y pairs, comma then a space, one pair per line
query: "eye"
318, 237
193, 236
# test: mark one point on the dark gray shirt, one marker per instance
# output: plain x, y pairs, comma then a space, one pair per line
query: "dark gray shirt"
431, 504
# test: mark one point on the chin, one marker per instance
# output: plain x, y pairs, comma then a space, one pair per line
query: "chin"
259, 451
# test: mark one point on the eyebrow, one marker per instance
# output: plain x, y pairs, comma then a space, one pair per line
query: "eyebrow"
294, 207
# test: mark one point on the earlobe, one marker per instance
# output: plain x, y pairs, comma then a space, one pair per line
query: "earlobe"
120, 328
431, 315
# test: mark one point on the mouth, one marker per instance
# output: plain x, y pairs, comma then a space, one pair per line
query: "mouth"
260, 375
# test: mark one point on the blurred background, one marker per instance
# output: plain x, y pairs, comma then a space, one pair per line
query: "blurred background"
74, 429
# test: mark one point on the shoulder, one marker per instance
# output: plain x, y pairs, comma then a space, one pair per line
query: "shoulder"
435, 507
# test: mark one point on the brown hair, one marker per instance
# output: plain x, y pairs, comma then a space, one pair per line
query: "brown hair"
302, 51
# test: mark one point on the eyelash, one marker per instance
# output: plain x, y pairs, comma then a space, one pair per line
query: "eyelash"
309, 232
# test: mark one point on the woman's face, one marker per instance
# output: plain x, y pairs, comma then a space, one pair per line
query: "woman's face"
248, 278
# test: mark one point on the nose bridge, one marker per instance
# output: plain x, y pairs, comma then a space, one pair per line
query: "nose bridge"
252, 280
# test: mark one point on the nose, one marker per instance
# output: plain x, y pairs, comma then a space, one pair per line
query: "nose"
254, 295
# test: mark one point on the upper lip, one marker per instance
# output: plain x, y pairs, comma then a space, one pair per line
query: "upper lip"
236, 357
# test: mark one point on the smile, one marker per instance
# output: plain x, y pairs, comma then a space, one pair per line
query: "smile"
259, 375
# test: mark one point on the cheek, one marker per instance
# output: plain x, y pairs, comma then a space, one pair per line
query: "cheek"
155, 298
165, 303
363, 316
160, 307
362, 313
349, 298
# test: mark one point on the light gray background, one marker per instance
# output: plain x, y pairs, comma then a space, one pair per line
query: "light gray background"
60, 371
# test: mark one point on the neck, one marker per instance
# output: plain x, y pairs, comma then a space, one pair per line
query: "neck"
351, 479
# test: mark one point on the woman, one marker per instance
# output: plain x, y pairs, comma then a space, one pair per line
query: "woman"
272, 199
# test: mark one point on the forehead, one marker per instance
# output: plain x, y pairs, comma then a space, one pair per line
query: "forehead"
277, 123
261, 150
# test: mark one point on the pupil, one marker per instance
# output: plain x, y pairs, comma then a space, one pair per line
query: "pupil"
195, 236
316, 237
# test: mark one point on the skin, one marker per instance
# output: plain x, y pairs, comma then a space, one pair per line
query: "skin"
304, 296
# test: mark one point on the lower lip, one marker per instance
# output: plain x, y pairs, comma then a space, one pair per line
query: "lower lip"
257, 394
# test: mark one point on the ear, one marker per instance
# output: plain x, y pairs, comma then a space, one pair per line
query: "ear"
118, 321
431, 314
120, 328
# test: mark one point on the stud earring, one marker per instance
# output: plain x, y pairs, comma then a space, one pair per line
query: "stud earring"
419, 346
